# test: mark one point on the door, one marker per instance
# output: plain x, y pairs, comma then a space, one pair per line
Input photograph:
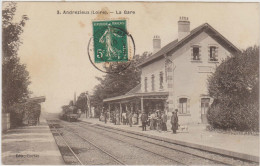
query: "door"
204, 109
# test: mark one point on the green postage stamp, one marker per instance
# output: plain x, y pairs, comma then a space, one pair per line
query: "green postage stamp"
110, 41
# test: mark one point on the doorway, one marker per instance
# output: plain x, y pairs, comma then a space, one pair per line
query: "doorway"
204, 109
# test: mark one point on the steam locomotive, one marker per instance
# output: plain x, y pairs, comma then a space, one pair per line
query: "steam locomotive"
70, 113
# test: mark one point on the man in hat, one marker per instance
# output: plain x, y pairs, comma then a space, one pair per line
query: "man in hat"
174, 121
144, 118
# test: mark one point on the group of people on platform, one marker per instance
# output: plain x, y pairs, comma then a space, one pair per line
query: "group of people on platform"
156, 120
127, 118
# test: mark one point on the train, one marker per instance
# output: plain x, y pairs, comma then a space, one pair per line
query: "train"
70, 113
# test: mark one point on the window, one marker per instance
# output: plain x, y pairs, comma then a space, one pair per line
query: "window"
213, 56
145, 84
161, 80
204, 105
184, 106
152, 82
195, 54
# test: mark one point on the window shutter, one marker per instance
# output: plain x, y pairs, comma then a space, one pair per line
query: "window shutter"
188, 105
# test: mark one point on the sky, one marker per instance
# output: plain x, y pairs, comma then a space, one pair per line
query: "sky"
54, 45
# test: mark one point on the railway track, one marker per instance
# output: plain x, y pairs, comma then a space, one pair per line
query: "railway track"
130, 138
52, 125
217, 158
162, 156
174, 160
153, 143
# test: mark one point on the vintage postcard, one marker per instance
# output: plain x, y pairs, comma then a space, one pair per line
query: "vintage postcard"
130, 83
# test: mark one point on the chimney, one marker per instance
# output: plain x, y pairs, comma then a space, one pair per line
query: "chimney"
183, 28
156, 43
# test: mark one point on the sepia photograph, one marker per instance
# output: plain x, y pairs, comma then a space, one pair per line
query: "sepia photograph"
130, 83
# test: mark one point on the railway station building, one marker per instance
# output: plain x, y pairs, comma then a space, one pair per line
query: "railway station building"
175, 76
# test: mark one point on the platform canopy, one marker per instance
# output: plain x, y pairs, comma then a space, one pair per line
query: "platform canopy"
150, 95
136, 93
135, 96
39, 99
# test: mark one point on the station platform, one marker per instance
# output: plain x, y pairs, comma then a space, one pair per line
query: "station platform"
239, 146
30, 145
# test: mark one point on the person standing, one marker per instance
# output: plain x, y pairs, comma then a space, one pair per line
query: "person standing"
135, 118
130, 116
174, 121
155, 119
127, 117
144, 119
105, 116
117, 118
100, 117
149, 117
164, 122
152, 118
114, 117
108, 116
124, 118
159, 121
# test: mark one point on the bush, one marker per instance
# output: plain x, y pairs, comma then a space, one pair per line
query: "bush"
235, 87
21, 112
16, 115
228, 115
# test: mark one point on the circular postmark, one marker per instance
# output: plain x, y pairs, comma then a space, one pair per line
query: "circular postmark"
111, 48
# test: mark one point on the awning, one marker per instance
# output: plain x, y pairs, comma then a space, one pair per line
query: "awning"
36, 99
147, 95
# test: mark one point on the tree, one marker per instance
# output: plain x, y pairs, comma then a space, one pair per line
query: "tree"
15, 77
82, 102
115, 84
234, 87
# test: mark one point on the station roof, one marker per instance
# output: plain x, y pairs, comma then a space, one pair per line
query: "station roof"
175, 45
146, 95
39, 99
